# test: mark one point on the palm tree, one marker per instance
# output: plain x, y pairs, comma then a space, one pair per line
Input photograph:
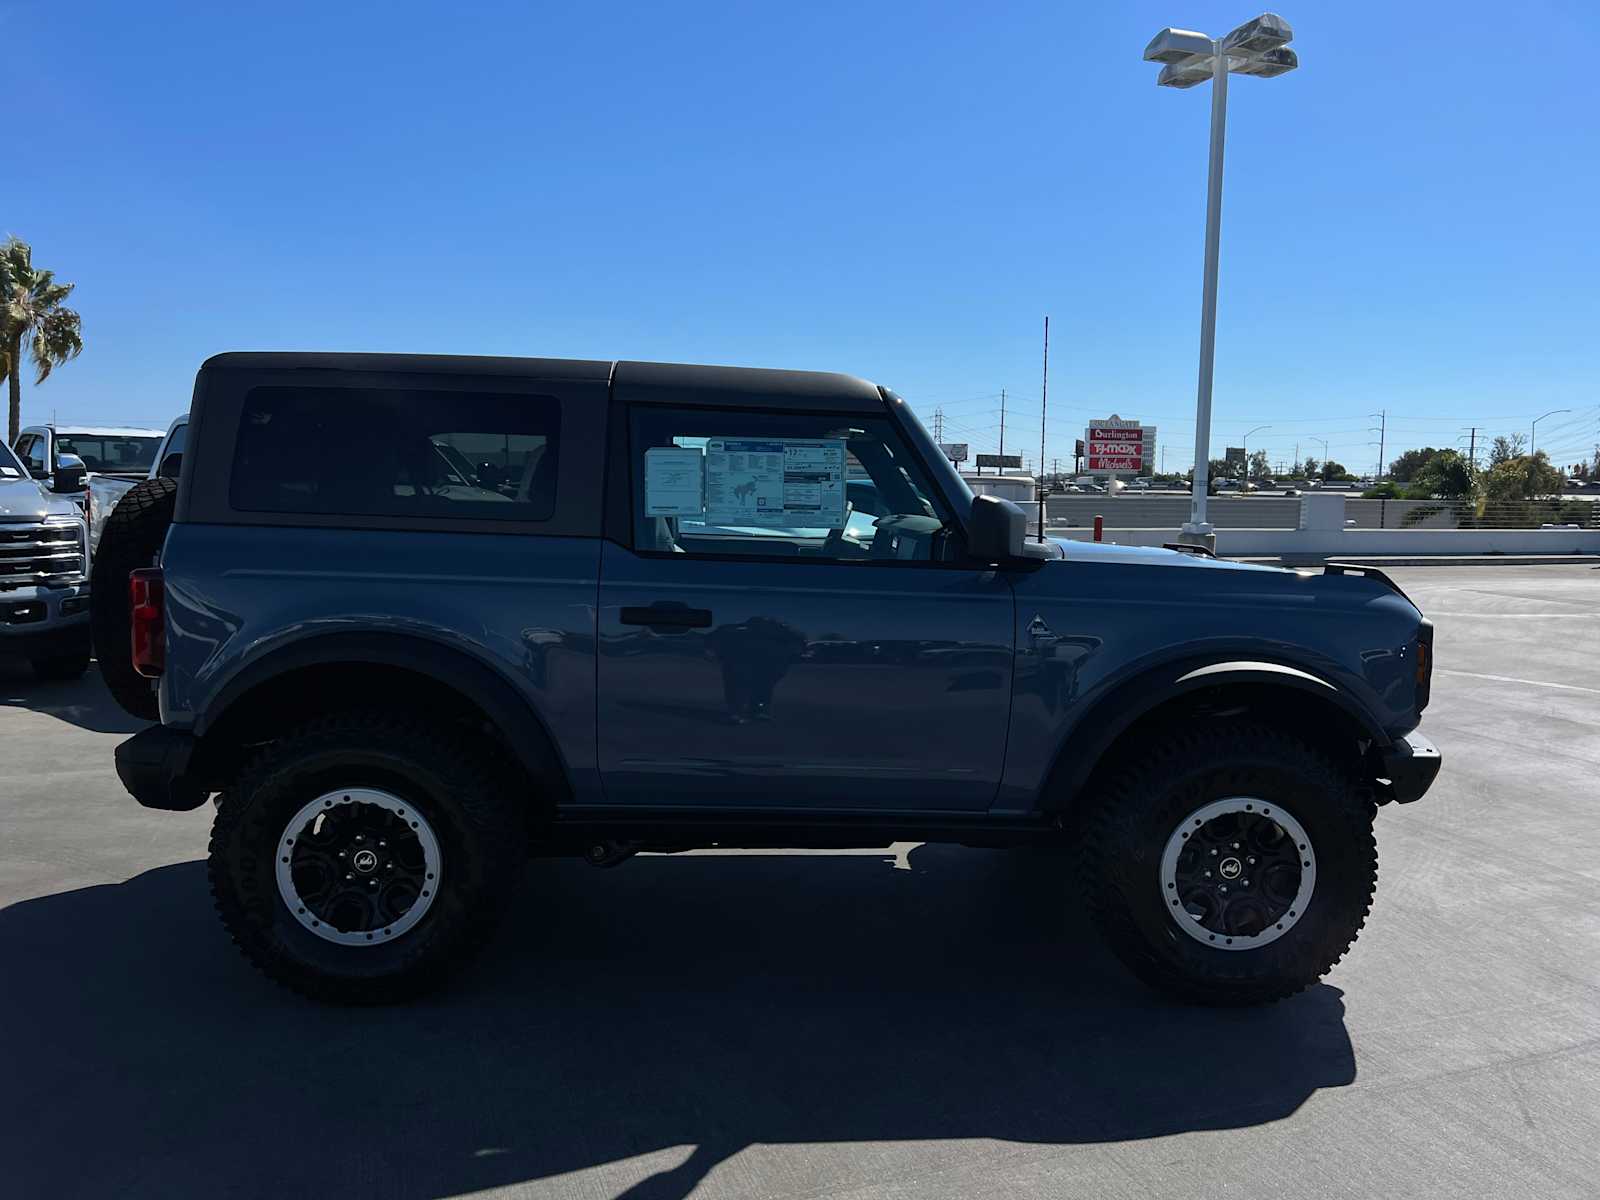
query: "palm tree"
32, 315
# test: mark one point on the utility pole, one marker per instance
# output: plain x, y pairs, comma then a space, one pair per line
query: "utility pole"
1472, 448
1002, 430
1381, 431
938, 425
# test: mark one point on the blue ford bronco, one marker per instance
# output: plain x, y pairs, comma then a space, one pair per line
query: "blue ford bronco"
409, 619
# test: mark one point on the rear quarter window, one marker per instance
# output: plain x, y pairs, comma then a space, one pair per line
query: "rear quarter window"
396, 452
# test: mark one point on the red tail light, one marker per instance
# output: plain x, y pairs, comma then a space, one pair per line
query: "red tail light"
146, 601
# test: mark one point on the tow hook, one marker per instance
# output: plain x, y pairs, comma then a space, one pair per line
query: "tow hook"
609, 853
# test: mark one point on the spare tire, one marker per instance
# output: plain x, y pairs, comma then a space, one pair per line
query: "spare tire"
131, 538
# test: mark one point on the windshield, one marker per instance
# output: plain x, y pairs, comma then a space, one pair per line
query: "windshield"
110, 452
10, 468
946, 478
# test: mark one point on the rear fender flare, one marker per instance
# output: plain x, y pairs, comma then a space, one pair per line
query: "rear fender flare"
513, 714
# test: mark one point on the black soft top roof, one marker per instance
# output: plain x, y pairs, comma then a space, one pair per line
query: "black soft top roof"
634, 382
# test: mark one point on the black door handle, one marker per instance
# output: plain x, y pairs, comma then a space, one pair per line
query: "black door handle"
672, 616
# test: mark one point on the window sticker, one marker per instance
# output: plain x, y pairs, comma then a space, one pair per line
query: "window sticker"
778, 483
674, 479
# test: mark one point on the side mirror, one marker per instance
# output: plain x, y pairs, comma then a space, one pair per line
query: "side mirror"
170, 466
996, 530
69, 474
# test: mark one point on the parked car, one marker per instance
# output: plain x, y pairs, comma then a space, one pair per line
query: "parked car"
44, 585
399, 686
117, 457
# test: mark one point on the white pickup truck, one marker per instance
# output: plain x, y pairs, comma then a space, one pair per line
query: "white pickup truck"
117, 457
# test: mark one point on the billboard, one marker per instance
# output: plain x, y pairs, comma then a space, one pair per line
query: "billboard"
1000, 461
956, 452
1118, 447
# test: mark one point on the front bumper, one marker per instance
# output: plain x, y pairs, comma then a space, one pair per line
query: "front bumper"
154, 766
39, 622
1407, 769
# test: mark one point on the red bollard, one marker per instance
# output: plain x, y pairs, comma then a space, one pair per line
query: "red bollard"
1099, 527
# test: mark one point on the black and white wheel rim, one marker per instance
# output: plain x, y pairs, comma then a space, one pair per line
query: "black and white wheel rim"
1237, 874
358, 867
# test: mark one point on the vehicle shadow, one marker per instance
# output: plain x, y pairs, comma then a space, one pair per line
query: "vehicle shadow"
707, 1002
82, 702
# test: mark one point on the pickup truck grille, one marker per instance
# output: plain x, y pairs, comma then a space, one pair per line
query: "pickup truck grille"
33, 554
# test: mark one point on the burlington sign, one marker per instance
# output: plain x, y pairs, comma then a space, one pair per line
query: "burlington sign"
1115, 446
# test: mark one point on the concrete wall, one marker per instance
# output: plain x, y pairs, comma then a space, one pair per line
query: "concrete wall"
1346, 543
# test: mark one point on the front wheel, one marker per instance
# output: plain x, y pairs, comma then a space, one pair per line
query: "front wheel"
1234, 865
363, 857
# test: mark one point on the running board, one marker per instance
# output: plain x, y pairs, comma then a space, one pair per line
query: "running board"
680, 829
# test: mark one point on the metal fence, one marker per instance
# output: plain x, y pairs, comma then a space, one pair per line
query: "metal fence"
1449, 514
1170, 511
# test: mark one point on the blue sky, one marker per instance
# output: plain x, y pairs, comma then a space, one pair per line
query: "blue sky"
901, 191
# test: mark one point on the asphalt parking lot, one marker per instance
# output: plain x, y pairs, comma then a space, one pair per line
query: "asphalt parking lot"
921, 1022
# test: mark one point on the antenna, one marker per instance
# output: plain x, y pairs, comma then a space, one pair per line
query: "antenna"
1002, 431
1044, 398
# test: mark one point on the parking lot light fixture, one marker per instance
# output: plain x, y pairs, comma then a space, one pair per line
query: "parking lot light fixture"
1533, 433
1244, 444
1189, 58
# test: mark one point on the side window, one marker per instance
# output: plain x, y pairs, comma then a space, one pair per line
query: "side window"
172, 454
397, 453
835, 488
30, 449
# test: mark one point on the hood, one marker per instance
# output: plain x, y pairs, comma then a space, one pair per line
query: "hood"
1149, 556
25, 500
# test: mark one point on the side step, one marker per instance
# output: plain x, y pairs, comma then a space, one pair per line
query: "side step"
606, 834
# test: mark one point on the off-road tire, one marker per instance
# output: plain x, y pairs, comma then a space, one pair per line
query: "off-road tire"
1131, 819
479, 820
61, 666
131, 538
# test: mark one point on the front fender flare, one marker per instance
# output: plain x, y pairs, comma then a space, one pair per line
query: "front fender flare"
1109, 717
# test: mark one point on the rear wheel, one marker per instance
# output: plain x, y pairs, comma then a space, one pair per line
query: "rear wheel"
132, 538
1235, 865
364, 857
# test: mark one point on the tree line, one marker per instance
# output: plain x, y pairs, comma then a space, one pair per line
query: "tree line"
1429, 473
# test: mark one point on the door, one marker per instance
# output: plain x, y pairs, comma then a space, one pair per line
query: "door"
789, 625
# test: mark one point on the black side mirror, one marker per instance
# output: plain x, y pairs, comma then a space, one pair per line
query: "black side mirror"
170, 466
69, 474
996, 529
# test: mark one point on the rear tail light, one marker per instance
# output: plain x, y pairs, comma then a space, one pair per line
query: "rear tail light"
146, 602
1424, 664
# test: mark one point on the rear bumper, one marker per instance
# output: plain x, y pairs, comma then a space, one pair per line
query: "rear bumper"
1407, 768
153, 765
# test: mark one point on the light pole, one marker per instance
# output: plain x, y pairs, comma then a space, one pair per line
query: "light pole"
1533, 433
1258, 47
1244, 442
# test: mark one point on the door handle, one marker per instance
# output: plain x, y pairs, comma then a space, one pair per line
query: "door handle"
669, 616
